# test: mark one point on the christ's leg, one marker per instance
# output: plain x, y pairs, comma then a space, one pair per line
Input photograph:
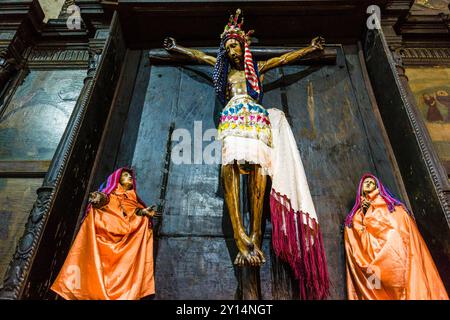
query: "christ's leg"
257, 188
231, 181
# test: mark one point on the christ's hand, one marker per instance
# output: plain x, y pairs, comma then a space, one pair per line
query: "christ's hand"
318, 43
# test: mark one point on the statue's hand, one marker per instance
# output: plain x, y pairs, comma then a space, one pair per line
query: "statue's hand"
317, 43
365, 205
169, 43
95, 197
150, 212
98, 199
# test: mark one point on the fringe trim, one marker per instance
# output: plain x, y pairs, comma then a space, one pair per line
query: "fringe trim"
297, 240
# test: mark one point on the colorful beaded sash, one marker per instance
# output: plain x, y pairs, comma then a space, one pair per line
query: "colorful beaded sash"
243, 117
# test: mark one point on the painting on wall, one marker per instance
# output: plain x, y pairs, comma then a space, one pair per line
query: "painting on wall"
431, 88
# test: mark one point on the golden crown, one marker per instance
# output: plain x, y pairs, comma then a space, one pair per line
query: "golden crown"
235, 28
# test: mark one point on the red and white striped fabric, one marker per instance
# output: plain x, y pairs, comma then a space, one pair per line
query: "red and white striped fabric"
249, 68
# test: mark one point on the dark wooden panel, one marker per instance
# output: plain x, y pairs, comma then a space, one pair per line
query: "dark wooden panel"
33, 122
117, 123
333, 146
24, 168
133, 120
195, 268
382, 166
16, 199
192, 208
339, 140
157, 114
194, 189
201, 22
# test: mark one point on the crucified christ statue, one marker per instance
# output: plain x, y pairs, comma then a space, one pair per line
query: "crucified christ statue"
244, 127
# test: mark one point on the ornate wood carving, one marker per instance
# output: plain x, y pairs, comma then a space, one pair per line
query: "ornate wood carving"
52, 46
436, 170
417, 160
14, 52
424, 56
18, 269
71, 170
58, 58
15, 274
425, 25
431, 29
421, 39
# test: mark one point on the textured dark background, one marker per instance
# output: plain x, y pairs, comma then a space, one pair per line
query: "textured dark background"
338, 138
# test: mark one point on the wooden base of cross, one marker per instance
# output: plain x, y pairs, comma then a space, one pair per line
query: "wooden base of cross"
249, 283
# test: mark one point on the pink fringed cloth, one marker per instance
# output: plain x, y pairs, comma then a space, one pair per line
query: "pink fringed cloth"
296, 235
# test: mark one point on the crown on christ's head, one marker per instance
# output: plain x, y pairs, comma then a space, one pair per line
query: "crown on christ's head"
234, 28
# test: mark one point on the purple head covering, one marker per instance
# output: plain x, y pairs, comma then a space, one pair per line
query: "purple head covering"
111, 184
388, 197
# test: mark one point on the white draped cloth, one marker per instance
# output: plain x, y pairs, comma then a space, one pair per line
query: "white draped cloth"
299, 244
287, 171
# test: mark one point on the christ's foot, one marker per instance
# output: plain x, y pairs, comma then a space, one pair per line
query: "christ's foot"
259, 255
245, 246
254, 258
255, 237
245, 258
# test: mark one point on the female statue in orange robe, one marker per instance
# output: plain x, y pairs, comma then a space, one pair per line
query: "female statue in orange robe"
387, 259
112, 256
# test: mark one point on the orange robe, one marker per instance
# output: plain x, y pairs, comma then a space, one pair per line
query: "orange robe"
112, 256
387, 259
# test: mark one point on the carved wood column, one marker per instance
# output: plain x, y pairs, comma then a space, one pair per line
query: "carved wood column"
402, 75
20, 264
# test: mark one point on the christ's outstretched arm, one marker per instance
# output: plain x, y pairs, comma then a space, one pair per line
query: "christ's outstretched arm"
171, 45
316, 44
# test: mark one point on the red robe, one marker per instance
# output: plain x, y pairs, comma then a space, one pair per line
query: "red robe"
112, 256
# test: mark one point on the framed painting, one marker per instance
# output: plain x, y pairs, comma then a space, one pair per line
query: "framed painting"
431, 88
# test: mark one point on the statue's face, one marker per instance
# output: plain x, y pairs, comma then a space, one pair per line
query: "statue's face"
369, 184
126, 180
234, 52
